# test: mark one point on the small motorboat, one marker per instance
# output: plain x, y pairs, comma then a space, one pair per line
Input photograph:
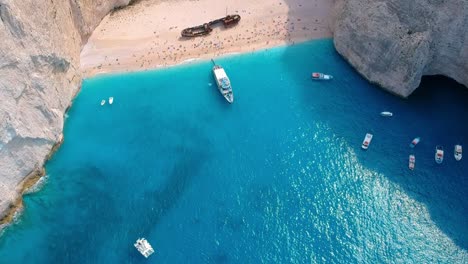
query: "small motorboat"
458, 152
321, 77
439, 154
367, 140
103, 102
412, 161
386, 113
414, 142
111, 100
144, 247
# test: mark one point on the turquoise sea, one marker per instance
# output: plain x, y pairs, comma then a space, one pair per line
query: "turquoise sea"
277, 177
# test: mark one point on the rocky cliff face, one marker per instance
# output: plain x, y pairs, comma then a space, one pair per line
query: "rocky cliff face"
390, 42
394, 42
39, 74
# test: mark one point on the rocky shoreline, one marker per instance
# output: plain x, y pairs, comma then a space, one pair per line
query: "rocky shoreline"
392, 43
7, 216
29, 181
39, 75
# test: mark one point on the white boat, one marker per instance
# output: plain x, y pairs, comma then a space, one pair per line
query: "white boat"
412, 161
386, 113
439, 154
320, 76
458, 152
144, 247
103, 102
222, 80
111, 100
367, 140
414, 142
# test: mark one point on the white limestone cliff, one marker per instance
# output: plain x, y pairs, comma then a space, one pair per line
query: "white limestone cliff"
39, 75
390, 42
393, 43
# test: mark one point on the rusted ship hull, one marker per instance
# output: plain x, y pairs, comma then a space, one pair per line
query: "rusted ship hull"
231, 20
201, 30
205, 29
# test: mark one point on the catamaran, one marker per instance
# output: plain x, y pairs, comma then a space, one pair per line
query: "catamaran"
439, 154
458, 152
222, 80
412, 161
144, 247
320, 76
415, 142
367, 140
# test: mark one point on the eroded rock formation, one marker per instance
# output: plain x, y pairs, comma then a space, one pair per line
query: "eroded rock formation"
390, 42
394, 42
39, 74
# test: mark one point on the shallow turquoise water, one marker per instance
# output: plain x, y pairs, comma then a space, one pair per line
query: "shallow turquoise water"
276, 177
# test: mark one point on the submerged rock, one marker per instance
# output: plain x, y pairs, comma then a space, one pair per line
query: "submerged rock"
393, 43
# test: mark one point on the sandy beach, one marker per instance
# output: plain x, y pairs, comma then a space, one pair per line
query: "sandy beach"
147, 35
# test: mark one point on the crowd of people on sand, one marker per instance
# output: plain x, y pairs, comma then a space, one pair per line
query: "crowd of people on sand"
163, 52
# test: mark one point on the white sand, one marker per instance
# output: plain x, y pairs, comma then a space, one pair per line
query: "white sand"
147, 35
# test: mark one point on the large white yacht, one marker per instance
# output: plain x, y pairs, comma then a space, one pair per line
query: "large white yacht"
144, 247
222, 80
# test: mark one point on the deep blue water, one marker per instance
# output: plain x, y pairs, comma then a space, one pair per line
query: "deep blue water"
276, 177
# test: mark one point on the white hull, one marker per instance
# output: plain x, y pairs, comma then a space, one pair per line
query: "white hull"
223, 83
111, 100
367, 140
228, 96
386, 114
103, 102
144, 247
321, 77
411, 162
439, 155
457, 152
414, 142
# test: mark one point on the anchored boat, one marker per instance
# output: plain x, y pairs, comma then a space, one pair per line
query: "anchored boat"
386, 113
367, 140
412, 161
414, 142
144, 247
222, 80
439, 154
458, 152
321, 77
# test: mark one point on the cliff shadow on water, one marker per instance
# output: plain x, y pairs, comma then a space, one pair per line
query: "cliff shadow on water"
437, 112
348, 107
